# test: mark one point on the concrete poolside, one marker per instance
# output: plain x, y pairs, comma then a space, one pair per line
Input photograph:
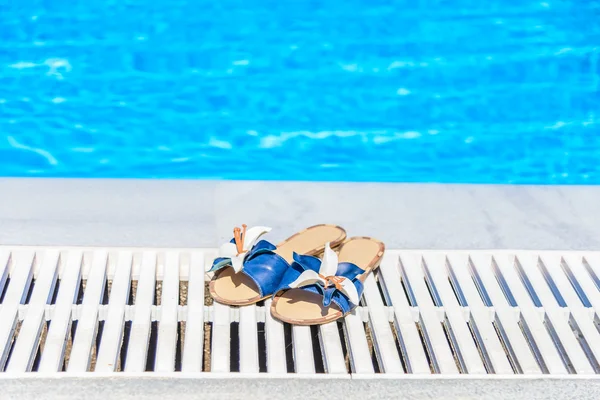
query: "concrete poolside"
190, 214
179, 213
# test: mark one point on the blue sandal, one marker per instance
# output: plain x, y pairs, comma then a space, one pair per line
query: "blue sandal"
315, 291
248, 270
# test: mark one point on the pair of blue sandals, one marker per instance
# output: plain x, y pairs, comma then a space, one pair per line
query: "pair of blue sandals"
314, 277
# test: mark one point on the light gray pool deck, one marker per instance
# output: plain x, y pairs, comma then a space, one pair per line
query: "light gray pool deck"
164, 388
179, 213
144, 213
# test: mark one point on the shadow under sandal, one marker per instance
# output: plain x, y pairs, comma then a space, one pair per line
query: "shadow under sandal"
315, 291
248, 270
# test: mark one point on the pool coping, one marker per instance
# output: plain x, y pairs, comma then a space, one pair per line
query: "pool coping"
170, 386
184, 213
200, 214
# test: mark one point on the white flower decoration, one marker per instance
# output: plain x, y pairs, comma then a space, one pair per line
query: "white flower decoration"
326, 275
244, 241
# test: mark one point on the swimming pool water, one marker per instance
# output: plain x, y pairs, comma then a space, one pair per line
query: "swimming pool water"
499, 91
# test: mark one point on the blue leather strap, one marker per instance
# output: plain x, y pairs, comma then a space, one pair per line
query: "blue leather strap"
261, 265
331, 294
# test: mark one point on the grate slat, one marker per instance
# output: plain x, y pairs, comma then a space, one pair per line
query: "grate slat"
383, 341
358, 345
87, 324
435, 267
112, 336
430, 322
475, 312
533, 318
274, 333
488, 341
580, 314
54, 348
248, 333
193, 349
556, 315
139, 337
27, 344
303, 352
505, 314
585, 280
16, 293
4, 260
411, 342
332, 349
221, 349
167, 327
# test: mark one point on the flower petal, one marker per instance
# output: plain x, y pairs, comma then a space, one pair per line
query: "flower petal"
252, 235
227, 250
349, 290
237, 262
308, 277
330, 262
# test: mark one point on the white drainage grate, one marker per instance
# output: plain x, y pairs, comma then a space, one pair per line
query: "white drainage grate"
74, 310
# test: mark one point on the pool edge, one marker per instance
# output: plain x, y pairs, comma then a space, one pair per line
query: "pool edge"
183, 213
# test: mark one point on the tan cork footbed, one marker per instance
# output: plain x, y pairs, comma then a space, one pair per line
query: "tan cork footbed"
300, 307
233, 289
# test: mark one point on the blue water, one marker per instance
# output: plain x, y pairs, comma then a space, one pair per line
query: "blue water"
496, 91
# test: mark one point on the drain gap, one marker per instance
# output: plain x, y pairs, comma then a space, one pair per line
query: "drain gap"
559, 346
13, 341
503, 285
124, 346
382, 289
183, 293
508, 349
5, 289
207, 347
106, 294
589, 270
157, 293
179, 346
404, 285
262, 347
583, 343
234, 346
29, 291
132, 292
151, 357
107, 291
289, 347
435, 297
344, 341
96, 346
456, 290
69, 345
427, 347
55, 293
455, 285
532, 345
527, 283
451, 339
372, 350
399, 345
575, 284
551, 284
480, 346
80, 292
42, 343
316, 346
